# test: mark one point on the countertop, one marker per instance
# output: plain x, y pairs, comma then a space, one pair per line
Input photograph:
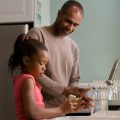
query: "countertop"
113, 115
85, 118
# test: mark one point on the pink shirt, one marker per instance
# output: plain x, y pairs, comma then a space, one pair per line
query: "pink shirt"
18, 82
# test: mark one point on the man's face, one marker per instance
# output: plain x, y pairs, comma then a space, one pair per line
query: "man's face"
67, 22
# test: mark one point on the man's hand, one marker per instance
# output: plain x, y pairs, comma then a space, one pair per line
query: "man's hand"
78, 92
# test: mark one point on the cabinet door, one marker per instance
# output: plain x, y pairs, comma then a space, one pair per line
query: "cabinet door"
16, 11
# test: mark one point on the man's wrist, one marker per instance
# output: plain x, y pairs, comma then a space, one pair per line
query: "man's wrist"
66, 91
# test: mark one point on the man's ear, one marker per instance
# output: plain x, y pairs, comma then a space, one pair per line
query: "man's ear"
26, 60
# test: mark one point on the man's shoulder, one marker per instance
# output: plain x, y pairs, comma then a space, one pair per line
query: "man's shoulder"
36, 32
37, 29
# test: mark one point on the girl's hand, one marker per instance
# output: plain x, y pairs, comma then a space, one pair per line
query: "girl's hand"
72, 105
79, 92
77, 104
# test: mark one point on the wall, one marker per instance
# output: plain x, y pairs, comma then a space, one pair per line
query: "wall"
42, 16
98, 36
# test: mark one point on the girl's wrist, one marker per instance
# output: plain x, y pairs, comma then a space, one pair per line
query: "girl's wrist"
63, 110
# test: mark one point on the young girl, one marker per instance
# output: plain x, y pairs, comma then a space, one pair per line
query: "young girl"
32, 56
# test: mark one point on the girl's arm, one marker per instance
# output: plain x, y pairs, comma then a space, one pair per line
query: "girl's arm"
33, 112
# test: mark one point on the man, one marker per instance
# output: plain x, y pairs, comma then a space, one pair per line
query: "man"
62, 71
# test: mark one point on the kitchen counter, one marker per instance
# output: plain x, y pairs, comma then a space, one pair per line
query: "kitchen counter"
113, 115
85, 118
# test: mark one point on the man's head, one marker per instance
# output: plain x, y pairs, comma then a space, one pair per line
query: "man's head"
69, 17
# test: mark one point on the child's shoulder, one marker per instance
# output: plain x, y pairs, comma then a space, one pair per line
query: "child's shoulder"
22, 77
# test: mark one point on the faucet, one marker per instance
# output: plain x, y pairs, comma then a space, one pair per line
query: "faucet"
113, 71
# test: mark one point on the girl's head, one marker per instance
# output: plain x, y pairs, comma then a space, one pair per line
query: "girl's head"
30, 55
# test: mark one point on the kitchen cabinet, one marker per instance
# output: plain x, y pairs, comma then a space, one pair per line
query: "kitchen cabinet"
17, 11
12, 11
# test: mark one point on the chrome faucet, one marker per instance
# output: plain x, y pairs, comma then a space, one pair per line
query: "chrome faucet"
113, 71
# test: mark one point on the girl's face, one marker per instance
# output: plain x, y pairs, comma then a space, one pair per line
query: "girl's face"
36, 64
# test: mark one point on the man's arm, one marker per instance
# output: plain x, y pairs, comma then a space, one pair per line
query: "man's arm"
53, 88
50, 86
